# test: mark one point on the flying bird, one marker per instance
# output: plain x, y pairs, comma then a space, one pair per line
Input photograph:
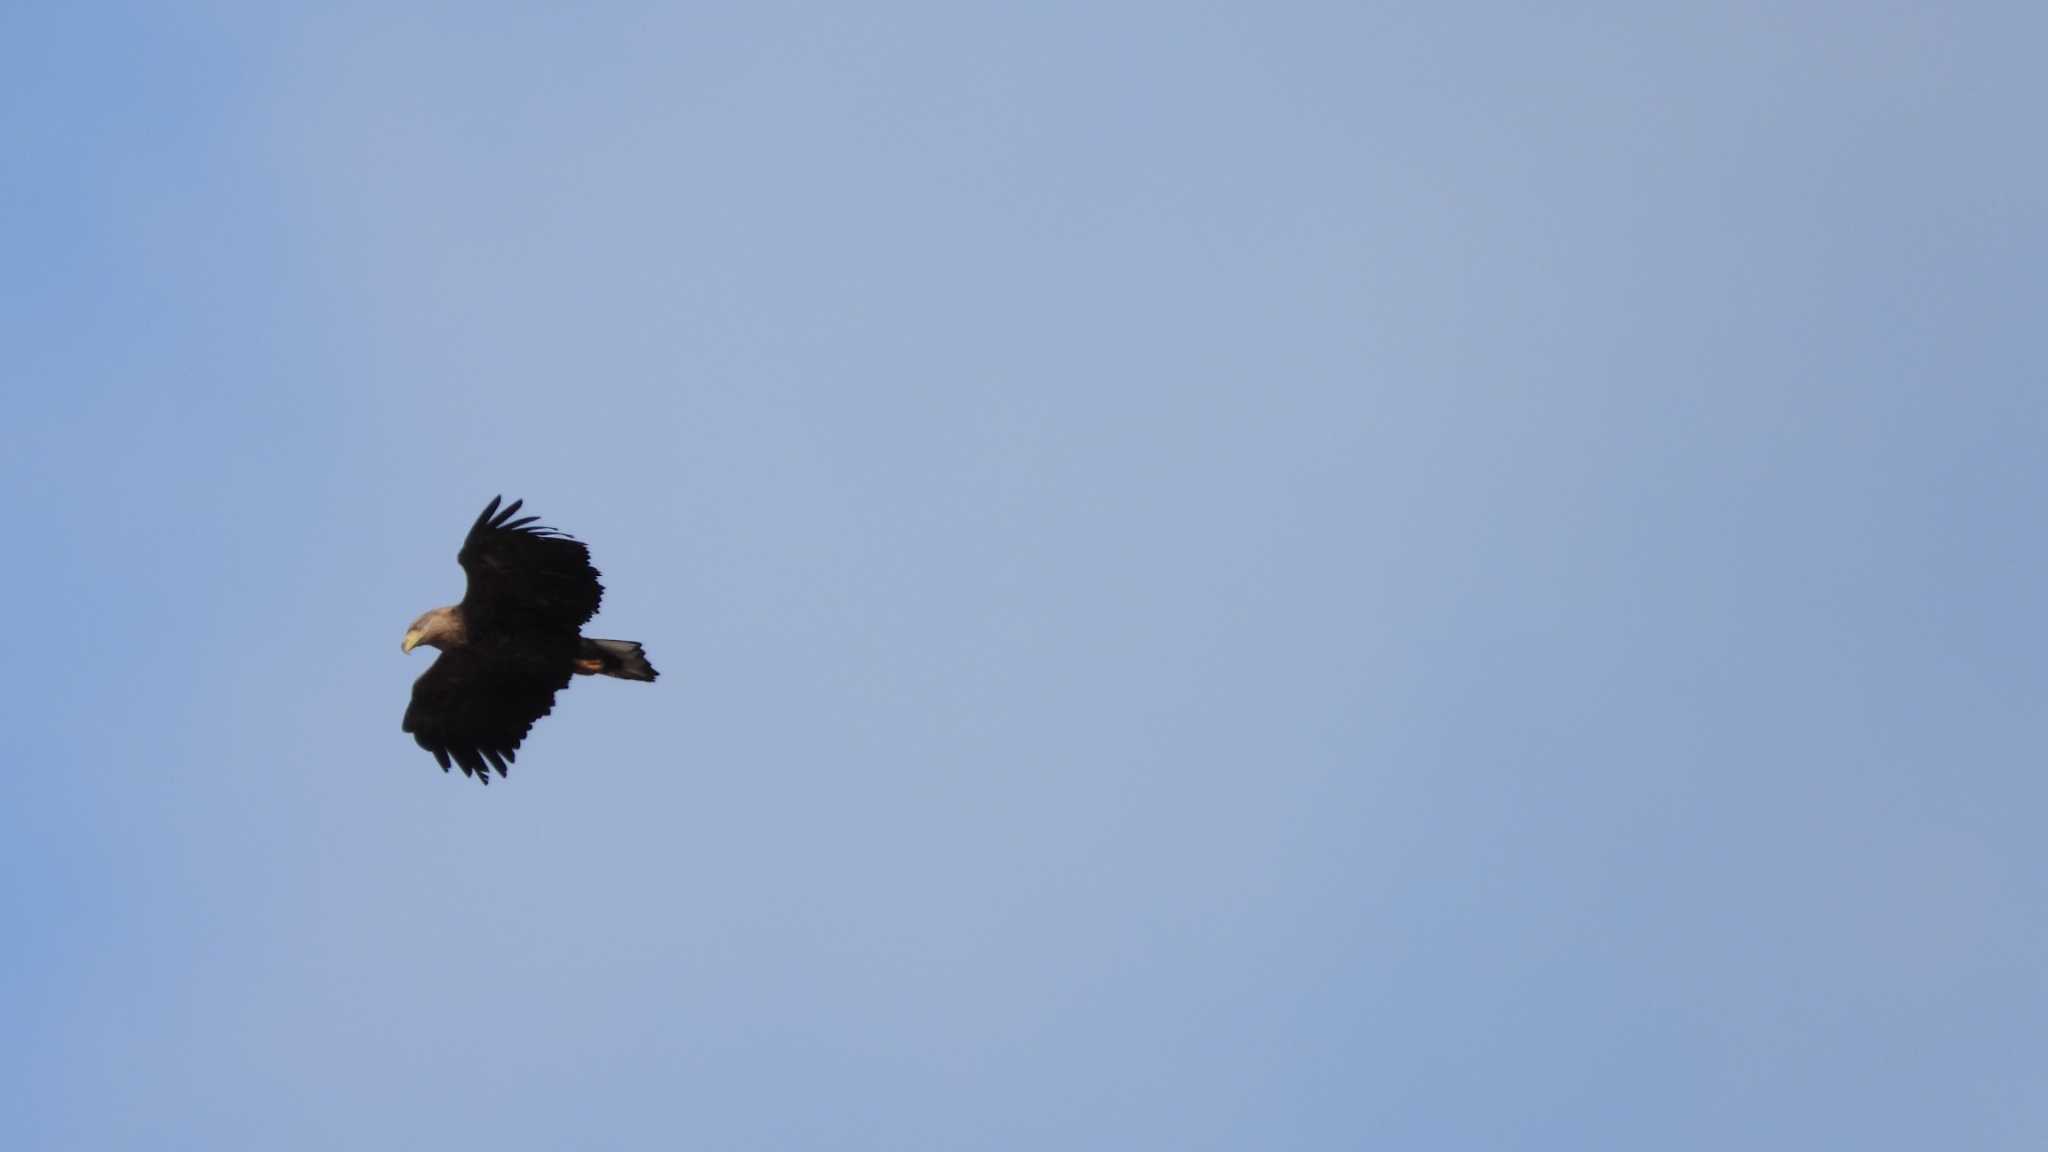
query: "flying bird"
514, 641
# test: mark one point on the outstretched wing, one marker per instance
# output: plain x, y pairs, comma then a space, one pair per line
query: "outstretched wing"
525, 575
475, 705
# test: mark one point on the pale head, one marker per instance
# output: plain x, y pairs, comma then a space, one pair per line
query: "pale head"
440, 628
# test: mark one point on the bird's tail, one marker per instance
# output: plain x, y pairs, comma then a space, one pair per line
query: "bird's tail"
620, 658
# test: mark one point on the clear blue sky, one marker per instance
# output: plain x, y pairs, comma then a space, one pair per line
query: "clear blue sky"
1227, 576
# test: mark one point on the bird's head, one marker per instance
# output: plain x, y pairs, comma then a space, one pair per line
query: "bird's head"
435, 629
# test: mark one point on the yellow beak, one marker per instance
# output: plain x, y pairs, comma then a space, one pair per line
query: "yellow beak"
412, 640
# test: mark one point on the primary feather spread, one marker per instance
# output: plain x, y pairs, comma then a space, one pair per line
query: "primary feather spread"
513, 642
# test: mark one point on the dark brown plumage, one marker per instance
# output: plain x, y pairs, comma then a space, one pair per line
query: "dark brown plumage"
513, 642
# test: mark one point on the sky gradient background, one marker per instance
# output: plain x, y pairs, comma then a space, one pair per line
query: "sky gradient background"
1227, 576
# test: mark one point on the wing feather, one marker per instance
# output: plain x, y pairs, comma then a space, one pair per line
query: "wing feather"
474, 707
526, 575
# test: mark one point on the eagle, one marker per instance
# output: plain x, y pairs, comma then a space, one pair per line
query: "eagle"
514, 641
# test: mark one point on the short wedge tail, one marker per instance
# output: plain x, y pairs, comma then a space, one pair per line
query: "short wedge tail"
621, 658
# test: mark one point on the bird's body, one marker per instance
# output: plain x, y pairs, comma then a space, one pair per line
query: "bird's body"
514, 641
